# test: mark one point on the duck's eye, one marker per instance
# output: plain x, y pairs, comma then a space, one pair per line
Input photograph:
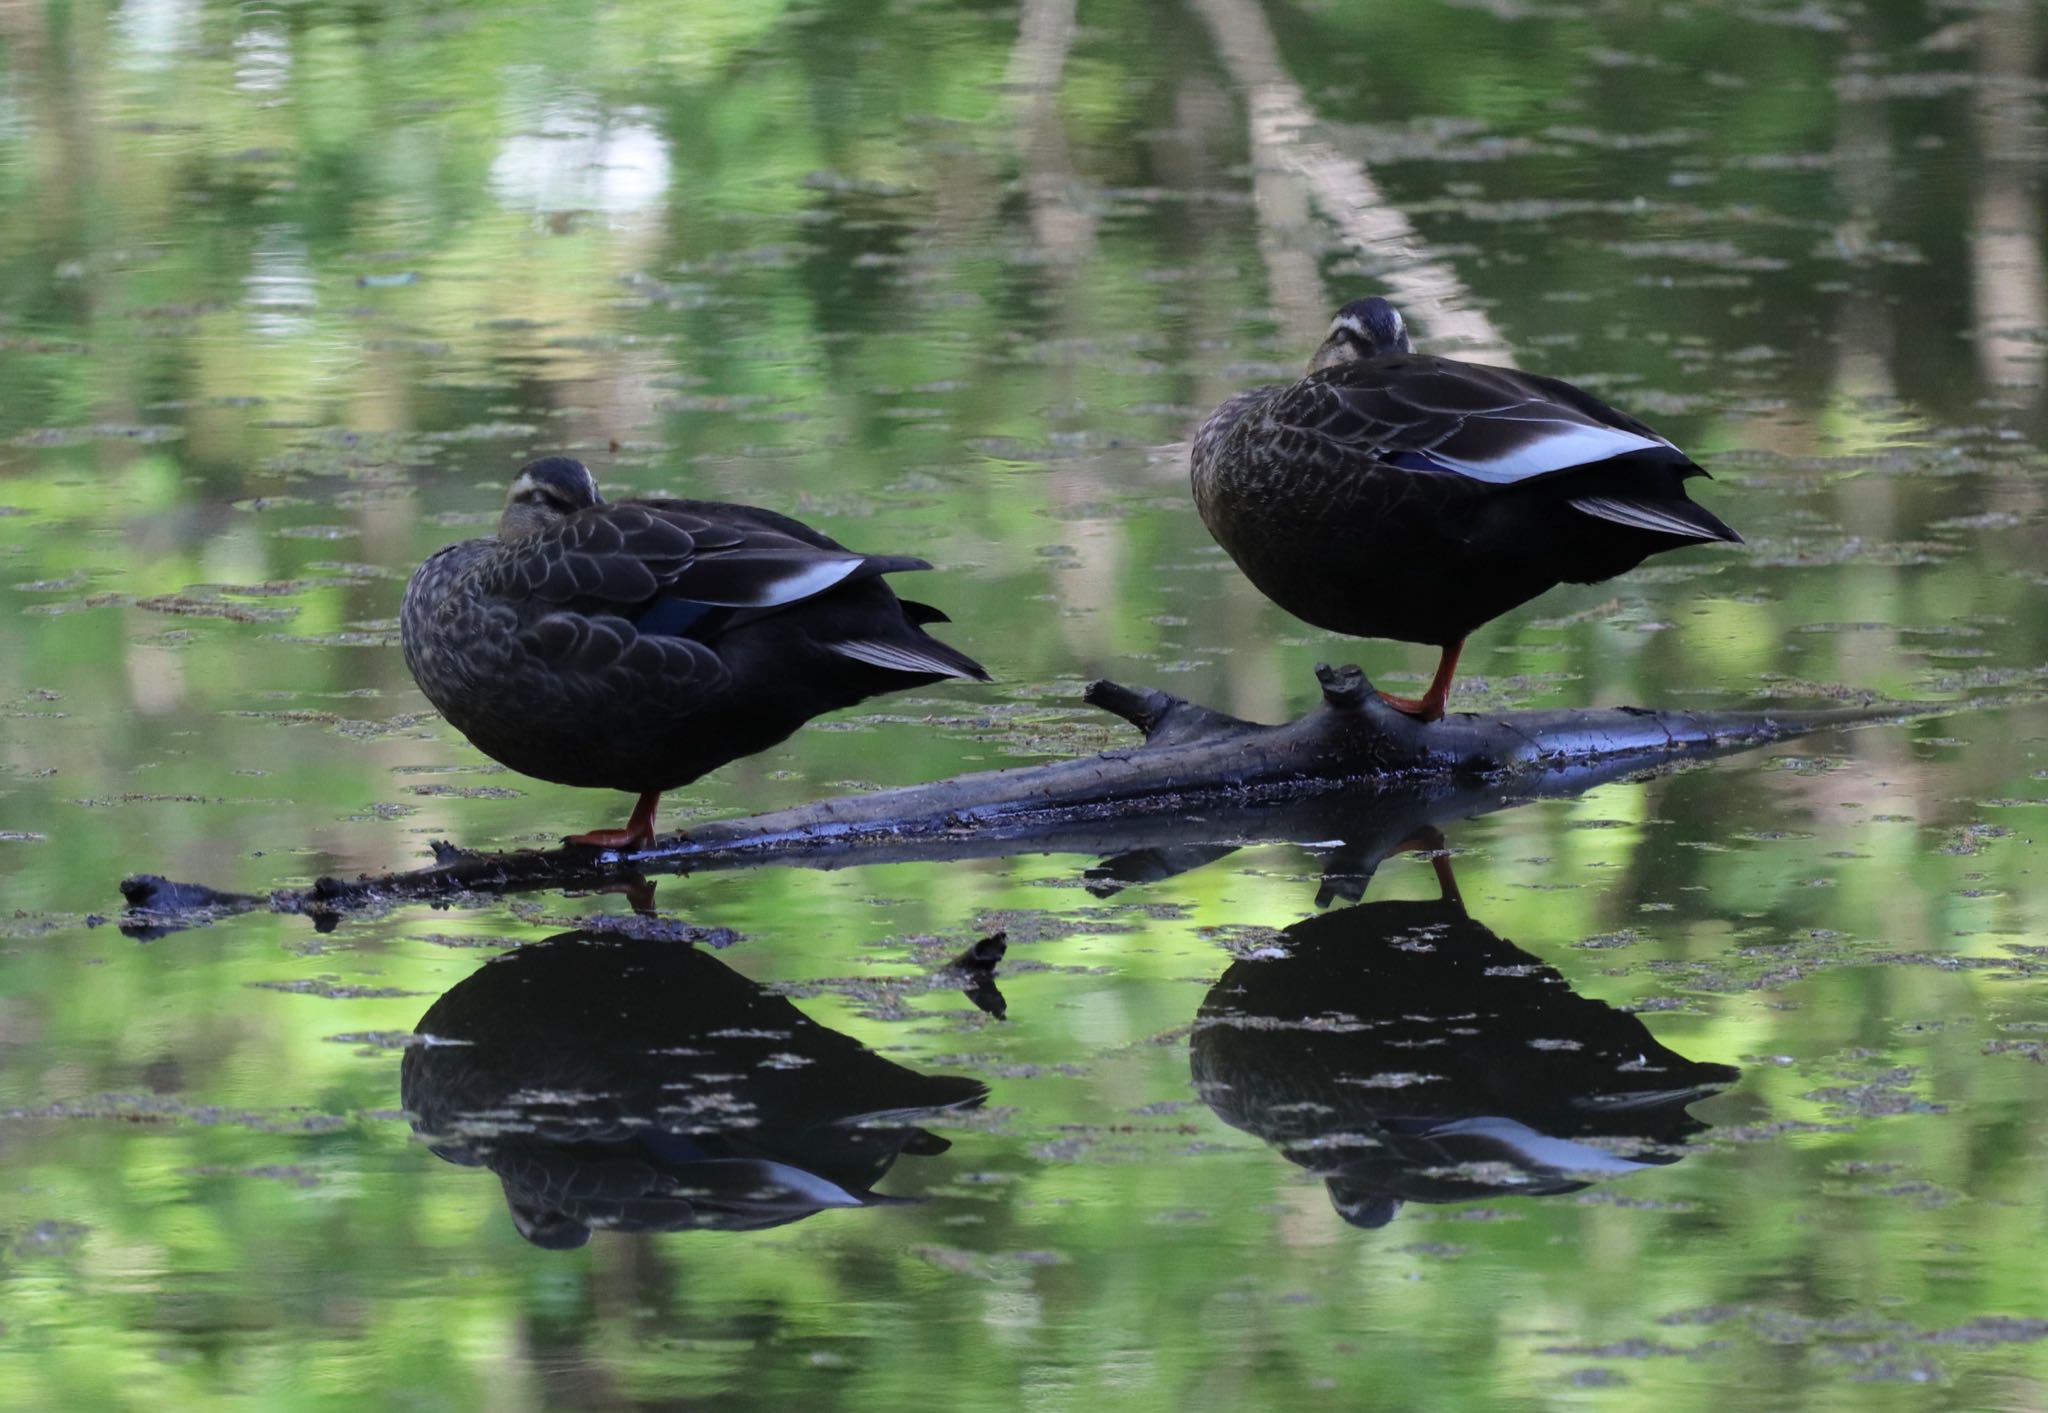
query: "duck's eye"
542, 495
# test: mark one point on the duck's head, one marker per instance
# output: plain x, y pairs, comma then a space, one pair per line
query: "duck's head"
1364, 328
544, 492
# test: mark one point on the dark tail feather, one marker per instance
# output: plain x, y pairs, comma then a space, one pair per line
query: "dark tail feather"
922, 612
1675, 516
892, 564
962, 664
915, 652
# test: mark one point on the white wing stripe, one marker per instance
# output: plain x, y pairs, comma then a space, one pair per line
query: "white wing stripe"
1537, 1148
813, 577
1565, 445
808, 1187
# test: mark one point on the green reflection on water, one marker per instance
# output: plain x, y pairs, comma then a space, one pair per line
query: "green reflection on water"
286, 293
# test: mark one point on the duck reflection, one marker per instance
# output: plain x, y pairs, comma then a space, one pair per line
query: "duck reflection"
1404, 1053
642, 1085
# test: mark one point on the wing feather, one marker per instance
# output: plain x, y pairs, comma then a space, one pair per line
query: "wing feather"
764, 578
1496, 425
632, 553
602, 658
608, 599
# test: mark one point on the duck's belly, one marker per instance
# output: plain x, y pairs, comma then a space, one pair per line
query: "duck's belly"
619, 729
1382, 554
614, 730
634, 746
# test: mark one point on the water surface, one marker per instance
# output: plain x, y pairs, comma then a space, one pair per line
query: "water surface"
286, 292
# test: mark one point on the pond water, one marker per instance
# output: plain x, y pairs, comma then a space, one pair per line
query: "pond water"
1716, 1088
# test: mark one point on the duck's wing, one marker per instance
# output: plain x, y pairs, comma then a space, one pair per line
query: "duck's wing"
627, 555
641, 588
1496, 425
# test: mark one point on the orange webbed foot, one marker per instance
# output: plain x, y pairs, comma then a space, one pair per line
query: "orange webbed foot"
638, 833
1430, 705
627, 840
1421, 708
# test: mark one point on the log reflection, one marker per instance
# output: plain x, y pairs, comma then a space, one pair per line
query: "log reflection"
646, 1086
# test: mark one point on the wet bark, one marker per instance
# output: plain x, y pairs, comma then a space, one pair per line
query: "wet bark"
1199, 783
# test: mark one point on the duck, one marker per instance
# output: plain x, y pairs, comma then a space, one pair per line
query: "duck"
1392, 494
639, 644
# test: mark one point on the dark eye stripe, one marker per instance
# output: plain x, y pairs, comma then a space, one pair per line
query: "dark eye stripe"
539, 495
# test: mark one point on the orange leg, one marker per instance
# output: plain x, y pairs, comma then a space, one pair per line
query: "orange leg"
1446, 881
638, 893
1430, 705
1430, 840
638, 833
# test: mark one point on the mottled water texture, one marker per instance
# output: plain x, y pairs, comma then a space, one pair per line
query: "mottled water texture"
1745, 1106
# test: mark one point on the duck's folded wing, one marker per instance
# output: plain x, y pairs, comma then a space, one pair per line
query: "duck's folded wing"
592, 662
1496, 425
634, 552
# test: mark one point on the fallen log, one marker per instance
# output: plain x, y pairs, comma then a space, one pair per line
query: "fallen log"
1200, 780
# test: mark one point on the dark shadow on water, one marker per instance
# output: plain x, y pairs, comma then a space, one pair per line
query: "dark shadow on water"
641, 1085
1403, 1052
